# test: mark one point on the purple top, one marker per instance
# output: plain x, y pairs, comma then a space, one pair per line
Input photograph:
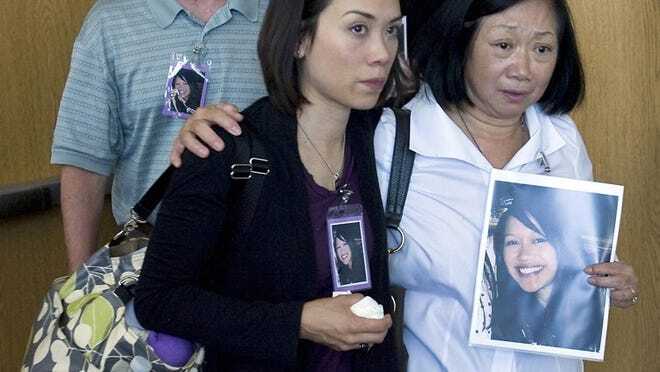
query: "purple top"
322, 358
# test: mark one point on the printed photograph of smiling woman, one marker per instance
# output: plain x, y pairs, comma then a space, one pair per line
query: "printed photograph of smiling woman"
541, 238
348, 252
186, 91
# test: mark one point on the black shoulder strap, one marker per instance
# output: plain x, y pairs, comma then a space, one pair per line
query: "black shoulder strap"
249, 163
142, 210
402, 164
400, 172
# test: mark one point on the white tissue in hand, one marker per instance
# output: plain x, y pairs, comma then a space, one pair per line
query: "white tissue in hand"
368, 308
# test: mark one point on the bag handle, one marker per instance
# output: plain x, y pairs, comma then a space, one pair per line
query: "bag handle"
402, 163
249, 159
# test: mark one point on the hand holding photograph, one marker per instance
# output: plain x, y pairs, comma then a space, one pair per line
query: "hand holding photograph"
540, 233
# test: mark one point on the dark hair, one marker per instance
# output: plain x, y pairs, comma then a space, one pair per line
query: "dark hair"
349, 234
529, 203
286, 24
338, 235
440, 51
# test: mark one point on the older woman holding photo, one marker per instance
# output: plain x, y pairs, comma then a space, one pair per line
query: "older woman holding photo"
499, 78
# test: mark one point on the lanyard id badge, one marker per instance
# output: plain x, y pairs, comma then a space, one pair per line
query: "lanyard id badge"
186, 87
349, 262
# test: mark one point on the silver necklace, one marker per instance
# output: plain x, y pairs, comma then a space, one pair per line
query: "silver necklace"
469, 132
336, 174
523, 123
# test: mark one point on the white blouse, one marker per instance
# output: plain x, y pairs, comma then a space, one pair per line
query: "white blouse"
443, 219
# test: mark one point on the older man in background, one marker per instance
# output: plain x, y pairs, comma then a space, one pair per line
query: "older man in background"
113, 122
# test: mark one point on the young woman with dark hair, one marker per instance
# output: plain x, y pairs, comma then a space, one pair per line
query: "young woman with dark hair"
349, 260
187, 86
263, 301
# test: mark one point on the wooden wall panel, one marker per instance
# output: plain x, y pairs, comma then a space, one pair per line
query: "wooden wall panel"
35, 48
620, 124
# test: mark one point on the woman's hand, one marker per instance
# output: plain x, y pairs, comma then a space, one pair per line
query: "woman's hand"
330, 321
620, 278
197, 130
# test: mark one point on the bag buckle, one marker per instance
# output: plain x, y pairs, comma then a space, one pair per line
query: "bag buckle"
126, 290
402, 240
134, 221
245, 171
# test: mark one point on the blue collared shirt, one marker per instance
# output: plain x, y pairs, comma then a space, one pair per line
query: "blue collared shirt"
110, 120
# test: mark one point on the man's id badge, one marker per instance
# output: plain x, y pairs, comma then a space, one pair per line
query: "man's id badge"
185, 90
349, 262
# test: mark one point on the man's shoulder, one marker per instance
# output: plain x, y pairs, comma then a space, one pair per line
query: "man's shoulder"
111, 23
108, 14
108, 9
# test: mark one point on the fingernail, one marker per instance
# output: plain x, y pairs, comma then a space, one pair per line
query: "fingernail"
236, 130
588, 269
591, 280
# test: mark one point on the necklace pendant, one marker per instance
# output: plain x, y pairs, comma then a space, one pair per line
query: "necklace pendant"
345, 193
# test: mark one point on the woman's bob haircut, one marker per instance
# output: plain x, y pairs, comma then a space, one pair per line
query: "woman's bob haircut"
286, 24
440, 51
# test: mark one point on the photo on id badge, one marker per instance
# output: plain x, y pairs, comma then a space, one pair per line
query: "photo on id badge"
348, 256
185, 90
539, 234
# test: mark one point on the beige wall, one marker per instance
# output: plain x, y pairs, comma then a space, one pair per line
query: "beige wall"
619, 121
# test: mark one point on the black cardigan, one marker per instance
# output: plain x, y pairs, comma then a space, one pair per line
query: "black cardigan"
242, 296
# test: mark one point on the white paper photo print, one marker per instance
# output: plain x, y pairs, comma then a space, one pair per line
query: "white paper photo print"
532, 294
